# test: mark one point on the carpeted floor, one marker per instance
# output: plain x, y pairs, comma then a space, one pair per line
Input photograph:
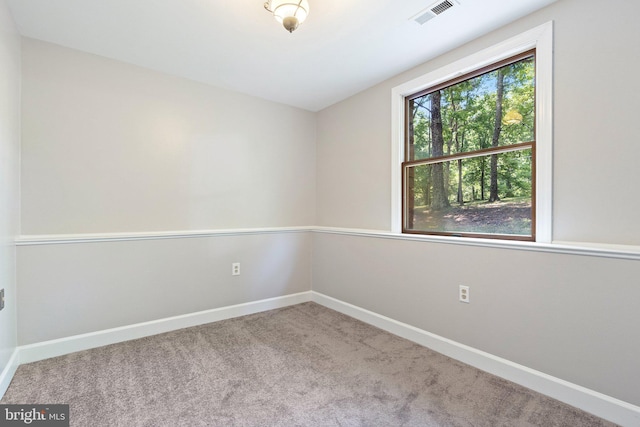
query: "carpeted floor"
303, 365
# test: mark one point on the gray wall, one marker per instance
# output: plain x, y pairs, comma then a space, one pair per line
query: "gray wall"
9, 180
69, 289
569, 316
109, 147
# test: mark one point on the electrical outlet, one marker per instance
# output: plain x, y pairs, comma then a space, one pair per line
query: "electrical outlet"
235, 269
463, 294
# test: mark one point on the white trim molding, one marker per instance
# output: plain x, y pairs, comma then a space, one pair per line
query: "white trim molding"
57, 239
58, 347
567, 248
591, 401
601, 405
9, 371
540, 38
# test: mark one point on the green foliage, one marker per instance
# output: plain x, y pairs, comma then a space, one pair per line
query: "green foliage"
468, 110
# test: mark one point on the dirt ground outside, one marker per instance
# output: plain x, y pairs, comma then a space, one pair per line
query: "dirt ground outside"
509, 216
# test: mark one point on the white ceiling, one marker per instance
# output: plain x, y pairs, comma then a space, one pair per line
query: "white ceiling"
343, 47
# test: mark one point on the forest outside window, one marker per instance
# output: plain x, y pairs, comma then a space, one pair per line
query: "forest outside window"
469, 153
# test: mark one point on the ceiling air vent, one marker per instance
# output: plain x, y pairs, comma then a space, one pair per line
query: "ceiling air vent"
433, 11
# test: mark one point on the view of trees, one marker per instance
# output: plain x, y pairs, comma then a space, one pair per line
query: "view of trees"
469, 154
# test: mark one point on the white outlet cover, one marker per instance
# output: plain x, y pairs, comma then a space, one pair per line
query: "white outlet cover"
463, 294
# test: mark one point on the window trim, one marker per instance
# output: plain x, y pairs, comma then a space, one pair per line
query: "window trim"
539, 38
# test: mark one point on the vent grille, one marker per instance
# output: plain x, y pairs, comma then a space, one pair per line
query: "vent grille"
433, 11
441, 7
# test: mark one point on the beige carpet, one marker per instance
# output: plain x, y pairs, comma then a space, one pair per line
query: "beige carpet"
303, 365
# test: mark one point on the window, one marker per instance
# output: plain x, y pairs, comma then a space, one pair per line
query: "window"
469, 166
438, 177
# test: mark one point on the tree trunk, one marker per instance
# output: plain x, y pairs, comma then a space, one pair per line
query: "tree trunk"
493, 174
411, 182
427, 190
460, 196
459, 148
493, 187
439, 198
509, 185
482, 178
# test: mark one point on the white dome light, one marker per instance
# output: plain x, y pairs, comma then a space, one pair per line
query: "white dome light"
290, 13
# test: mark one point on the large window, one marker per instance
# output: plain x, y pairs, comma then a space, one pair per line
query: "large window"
470, 154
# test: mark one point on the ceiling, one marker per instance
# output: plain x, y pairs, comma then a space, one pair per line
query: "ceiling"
343, 47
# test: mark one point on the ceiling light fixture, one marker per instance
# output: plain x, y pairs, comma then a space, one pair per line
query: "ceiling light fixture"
290, 13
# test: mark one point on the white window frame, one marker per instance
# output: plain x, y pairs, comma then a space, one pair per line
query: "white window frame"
540, 38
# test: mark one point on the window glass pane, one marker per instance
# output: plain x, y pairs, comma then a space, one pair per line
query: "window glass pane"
491, 110
464, 196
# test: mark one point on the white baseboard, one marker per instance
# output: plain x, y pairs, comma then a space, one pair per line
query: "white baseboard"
44, 350
9, 371
601, 405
